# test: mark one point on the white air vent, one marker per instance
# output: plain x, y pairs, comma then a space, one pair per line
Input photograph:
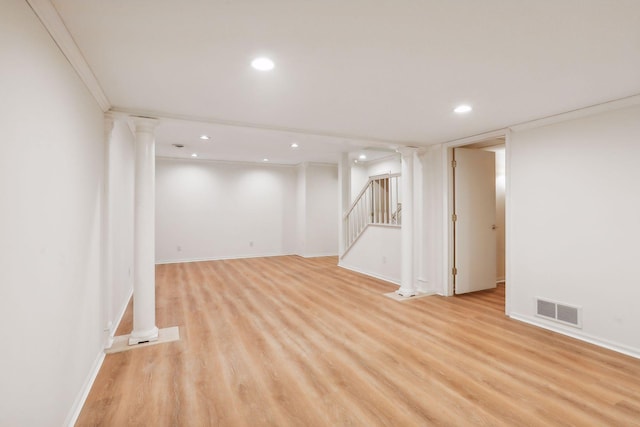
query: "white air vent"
559, 312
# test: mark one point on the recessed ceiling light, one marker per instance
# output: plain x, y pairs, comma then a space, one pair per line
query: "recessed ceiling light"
265, 160
178, 145
362, 157
204, 137
262, 64
294, 145
355, 161
461, 109
194, 155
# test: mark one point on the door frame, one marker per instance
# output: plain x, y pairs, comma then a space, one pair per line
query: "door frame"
447, 157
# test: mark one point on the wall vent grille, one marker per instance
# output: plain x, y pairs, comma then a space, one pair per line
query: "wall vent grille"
559, 312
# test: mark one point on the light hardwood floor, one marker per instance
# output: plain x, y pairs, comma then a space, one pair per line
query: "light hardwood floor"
288, 341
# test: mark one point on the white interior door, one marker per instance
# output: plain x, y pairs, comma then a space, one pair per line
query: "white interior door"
474, 227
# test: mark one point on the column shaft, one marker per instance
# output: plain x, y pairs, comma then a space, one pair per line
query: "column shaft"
407, 285
144, 286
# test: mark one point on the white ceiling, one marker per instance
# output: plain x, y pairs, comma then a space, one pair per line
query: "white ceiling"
358, 72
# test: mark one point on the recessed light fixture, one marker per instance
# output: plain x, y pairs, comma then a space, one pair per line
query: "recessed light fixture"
194, 155
178, 145
294, 145
362, 157
355, 161
265, 160
205, 137
461, 109
262, 64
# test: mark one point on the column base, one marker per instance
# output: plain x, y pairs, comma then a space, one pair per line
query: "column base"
404, 292
140, 337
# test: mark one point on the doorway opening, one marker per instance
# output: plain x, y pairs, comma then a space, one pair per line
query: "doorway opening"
477, 215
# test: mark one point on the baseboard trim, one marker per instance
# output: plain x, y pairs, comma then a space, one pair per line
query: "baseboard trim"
221, 258
366, 273
319, 255
74, 413
619, 348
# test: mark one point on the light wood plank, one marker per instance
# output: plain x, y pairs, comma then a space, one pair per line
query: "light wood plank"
288, 341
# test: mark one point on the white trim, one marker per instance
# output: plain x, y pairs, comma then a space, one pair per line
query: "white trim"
48, 15
375, 276
74, 413
221, 258
539, 322
318, 255
591, 110
494, 134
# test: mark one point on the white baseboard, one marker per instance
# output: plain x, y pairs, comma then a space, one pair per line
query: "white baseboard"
93, 373
367, 273
620, 348
74, 413
184, 260
319, 255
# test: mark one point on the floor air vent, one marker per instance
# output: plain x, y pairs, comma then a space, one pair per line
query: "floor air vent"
563, 313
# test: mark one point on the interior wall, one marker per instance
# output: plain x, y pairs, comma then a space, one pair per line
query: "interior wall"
214, 210
359, 178
391, 164
121, 196
51, 180
430, 265
376, 253
321, 204
301, 209
362, 171
574, 215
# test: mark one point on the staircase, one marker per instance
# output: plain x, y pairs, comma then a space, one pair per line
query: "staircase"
378, 203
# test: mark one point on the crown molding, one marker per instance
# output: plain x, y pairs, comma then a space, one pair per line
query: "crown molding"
617, 104
48, 15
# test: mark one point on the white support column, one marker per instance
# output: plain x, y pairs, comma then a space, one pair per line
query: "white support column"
107, 241
407, 276
344, 201
418, 220
144, 285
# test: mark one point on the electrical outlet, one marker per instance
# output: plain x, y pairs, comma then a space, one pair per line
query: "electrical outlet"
384, 259
251, 243
179, 248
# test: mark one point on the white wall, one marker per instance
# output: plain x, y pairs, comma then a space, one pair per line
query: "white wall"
121, 185
51, 171
575, 223
361, 172
376, 253
430, 266
359, 177
391, 164
301, 208
214, 210
320, 200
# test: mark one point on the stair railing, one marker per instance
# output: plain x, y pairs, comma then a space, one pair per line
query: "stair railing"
377, 203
